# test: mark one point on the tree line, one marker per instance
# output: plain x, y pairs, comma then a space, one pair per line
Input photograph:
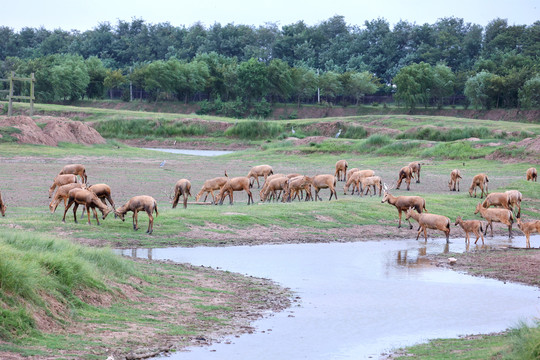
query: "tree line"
495, 66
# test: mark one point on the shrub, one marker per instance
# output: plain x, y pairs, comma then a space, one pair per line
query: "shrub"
354, 132
378, 140
252, 130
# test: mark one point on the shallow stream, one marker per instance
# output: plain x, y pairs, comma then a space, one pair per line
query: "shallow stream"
359, 299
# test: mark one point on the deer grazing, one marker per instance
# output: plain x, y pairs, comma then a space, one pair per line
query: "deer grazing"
527, 228
341, 170
267, 181
136, 204
2, 206
481, 181
374, 181
297, 185
210, 186
355, 180
234, 184
474, 226
75, 169
415, 169
455, 176
405, 173
182, 187
403, 203
430, 221
324, 181
62, 193
274, 185
89, 200
258, 171
60, 180
496, 215
532, 174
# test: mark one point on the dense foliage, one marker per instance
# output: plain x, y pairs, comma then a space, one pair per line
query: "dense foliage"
331, 61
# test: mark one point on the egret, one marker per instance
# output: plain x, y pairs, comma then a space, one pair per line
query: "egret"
292, 130
338, 133
162, 164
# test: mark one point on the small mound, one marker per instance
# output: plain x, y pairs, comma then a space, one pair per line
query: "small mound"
55, 130
531, 154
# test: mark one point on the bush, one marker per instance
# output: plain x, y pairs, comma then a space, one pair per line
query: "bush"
433, 134
378, 140
135, 128
354, 132
261, 109
252, 130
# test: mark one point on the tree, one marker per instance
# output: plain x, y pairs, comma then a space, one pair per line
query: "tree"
279, 80
304, 83
477, 89
96, 72
443, 83
414, 84
529, 94
330, 85
359, 85
253, 79
69, 77
113, 80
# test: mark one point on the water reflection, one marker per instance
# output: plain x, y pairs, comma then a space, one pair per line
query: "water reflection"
359, 299
192, 152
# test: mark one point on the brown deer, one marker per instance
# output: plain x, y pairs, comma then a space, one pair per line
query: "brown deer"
60, 180
267, 181
62, 193
430, 221
324, 181
415, 169
481, 181
497, 199
136, 204
2, 206
355, 179
297, 185
527, 228
75, 169
89, 200
532, 174
341, 170
405, 173
374, 181
455, 176
210, 186
234, 184
182, 187
474, 226
403, 203
274, 185
514, 200
258, 171
496, 215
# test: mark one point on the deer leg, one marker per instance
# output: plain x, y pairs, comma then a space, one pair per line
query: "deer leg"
75, 207
408, 184
135, 220
527, 236
510, 231
150, 223
425, 233
95, 215
71, 201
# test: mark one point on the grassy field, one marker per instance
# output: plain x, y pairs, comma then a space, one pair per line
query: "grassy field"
381, 143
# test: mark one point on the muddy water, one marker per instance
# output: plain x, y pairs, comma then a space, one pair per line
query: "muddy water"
359, 300
193, 152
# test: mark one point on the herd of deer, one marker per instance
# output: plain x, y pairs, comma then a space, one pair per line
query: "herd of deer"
292, 186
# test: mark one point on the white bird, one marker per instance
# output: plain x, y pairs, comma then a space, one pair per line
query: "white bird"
162, 164
338, 133
292, 130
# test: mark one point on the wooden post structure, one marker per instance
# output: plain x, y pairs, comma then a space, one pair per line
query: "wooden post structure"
31, 80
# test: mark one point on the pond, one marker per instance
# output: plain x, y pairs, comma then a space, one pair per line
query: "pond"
192, 152
359, 299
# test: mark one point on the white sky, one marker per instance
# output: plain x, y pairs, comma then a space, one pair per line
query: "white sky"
87, 14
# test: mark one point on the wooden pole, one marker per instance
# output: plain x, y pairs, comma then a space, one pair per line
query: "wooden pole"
10, 106
32, 94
